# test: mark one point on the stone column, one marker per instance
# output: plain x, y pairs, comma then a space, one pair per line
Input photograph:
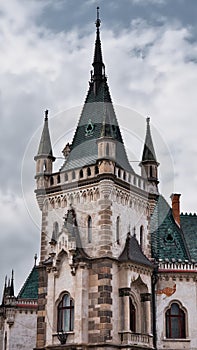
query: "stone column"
146, 302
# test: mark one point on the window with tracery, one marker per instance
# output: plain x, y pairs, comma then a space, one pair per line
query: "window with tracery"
175, 322
65, 319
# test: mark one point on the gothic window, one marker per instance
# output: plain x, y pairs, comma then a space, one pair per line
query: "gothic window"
58, 179
89, 229
119, 173
66, 177
51, 181
132, 316
81, 173
141, 236
124, 176
88, 172
175, 322
118, 230
134, 180
65, 319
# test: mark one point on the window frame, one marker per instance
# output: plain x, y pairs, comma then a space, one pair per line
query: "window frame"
181, 323
65, 314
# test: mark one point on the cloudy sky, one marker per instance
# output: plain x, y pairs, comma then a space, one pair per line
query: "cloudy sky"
46, 49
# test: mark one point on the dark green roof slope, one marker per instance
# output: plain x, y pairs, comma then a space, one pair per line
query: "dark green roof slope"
98, 110
167, 238
30, 287
189, 227
132, 252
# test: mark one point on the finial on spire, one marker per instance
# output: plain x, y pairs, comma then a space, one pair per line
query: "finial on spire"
148, 120
46, 115
98, 21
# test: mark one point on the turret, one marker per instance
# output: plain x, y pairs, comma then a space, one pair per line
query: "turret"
44, 157
149, 164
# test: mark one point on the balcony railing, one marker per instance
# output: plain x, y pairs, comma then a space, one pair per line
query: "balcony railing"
127, 337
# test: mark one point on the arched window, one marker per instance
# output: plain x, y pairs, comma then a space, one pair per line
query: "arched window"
141, 236
65, 310
81, 173
124, 175
119, 173
118, 230
175, 322
88, 171
51, 181
66, 177
89, 229
132, 316
58, 178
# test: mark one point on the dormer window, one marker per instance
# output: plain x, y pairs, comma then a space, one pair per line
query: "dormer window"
89, 128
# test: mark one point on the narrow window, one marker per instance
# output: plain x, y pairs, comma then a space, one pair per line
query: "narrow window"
107, 149
51, 181
119, 173
81, 173
66, 177
151, 171
58, 178
88, 172
141, 236
124, 176
89, 229
118, 230
65, 312
73, 174
175, 322
132, 316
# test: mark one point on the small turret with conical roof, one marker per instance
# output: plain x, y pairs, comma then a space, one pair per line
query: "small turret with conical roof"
44, 157
44, 162
149, 162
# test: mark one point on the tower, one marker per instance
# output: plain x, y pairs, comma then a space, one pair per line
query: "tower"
95, 268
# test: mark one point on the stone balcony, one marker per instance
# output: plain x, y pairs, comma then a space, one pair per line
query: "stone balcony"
138, 340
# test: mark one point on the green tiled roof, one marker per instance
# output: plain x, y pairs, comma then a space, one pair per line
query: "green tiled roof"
30, 287
97, 110
189, 227
168, 240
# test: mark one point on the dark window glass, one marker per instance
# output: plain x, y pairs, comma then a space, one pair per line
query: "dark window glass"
132, 316
175, 322
65, 314
89, 229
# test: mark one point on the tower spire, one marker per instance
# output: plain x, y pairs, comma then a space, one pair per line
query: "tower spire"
98, 65
149, 162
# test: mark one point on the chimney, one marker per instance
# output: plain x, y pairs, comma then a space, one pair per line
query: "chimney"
175, 197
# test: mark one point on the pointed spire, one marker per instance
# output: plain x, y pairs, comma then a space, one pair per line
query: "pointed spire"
45, 148
98, 65
12, 285
148, 152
